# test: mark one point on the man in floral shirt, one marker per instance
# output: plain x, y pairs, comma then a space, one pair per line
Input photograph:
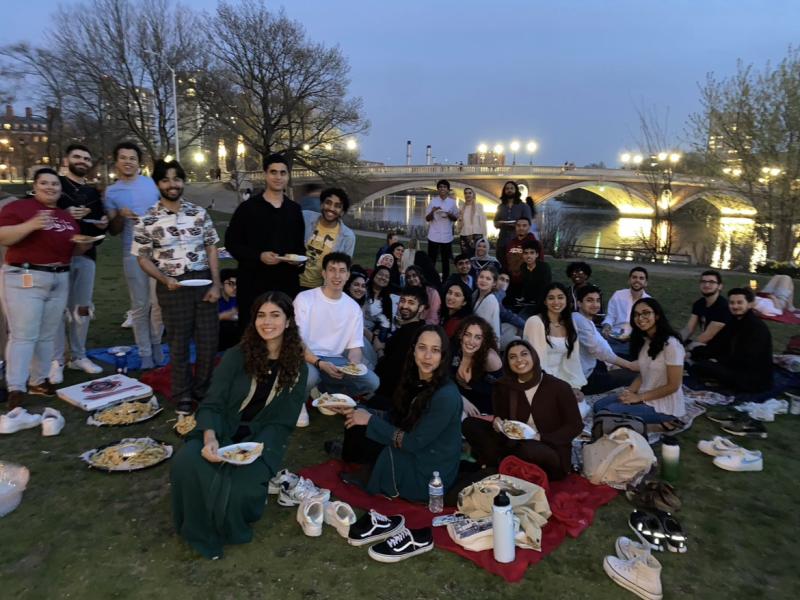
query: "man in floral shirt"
174, 242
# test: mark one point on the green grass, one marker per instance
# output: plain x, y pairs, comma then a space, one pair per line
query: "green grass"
85, 534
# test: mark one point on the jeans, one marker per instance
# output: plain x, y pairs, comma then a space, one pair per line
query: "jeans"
81, 287
645, 412
34, 314
620, 348
361, 385
447, 255
145, 311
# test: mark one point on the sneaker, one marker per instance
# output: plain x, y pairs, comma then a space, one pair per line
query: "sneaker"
302, 419
374, 527
627, 549
310, 515
17, 420
724, 414
56, 374
292, 495
719, 446
742, 460
746, 427
403, 545
52, 422
128, 322
341, 516
274, 486
641, 576
83, 364
42, 389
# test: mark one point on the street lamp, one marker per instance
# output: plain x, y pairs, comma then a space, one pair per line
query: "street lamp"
351, 144
531, 147
174, 102
199, 157
514, 146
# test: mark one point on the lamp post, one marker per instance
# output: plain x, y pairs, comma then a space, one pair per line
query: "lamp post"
514, 146
174, 102
482, 150
531, 147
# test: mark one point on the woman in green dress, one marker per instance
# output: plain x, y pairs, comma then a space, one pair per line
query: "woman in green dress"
422, 433
255, 396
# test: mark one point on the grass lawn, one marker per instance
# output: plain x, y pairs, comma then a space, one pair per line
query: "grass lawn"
86, 534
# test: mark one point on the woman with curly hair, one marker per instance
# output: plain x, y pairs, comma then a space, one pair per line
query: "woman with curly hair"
656, 395
476, 364
378, 307
255, 396
422, 432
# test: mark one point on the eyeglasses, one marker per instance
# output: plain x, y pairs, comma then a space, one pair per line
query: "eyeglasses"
645, 314
708, 282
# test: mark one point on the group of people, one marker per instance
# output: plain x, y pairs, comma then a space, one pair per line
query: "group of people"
428, 358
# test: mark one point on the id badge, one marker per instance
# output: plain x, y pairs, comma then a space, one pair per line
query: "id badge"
27, 280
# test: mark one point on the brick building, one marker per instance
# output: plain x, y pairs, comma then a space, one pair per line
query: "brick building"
23, 143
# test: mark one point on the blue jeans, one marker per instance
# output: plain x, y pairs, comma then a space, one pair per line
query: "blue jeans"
34, 314
645, 412
361, 385
81, 288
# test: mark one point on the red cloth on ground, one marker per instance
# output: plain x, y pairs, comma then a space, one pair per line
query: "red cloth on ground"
573, 502
159, 380
786, 317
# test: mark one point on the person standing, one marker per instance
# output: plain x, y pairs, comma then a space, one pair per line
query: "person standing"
513, 261
511, 209
472, 223
442, 212
175, 241
325, 232
130, 196
85, 205
263, 229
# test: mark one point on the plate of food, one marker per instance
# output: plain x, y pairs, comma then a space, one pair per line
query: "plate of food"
243, 453
517, 430
353, 369
125, 413
294, 258
195, 282
326, 402
86, 239
128, 454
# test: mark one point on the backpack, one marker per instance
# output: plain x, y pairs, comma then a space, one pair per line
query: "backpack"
606, 422
619, 458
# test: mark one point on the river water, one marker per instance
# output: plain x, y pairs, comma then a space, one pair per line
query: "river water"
720, 242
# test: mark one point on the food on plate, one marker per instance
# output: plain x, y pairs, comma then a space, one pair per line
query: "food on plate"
129, 455
241, 454
352, 369
293, 257
513, 430
185, 424
331, 401
126, 413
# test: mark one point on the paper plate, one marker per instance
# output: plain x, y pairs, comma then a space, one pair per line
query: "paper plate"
527, 431
294, 258
129, 454
249, 451
125, 413
195, 282
86, 239
336, 401
353, 369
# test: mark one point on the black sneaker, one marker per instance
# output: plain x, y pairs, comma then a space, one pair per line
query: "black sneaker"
43, 389
374, 527
724, 414
745, 428
403, 545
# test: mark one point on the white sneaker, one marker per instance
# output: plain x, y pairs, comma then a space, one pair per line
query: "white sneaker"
310, 515
642, 576
52, 422
17, 420
340, 515
292, 495
742, 460
85, 365
274, 486
302, 419
719, 446
128, 322
56, 374
627, 549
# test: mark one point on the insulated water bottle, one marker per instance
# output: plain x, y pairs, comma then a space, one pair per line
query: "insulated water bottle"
503, 529
436, 494
670, 457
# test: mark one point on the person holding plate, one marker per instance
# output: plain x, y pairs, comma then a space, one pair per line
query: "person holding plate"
255, 396
530, 396
174, 242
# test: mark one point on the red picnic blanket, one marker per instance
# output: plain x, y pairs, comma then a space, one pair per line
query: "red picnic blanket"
786, 317
573, 502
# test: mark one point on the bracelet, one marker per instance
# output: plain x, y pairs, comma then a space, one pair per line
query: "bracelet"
316, 364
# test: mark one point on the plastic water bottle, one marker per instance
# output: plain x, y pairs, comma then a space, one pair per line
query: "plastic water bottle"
436, 494
503, 529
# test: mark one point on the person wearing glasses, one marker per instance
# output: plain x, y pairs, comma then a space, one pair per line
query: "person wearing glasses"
228, 310
710, 313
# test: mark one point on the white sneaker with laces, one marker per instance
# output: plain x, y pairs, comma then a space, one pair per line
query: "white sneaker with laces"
56, 374
641, 576
627, 549
718, 446
128, 322
17, 420
340, 515
303, 419
85, 365
304, 488
742, 460
274, 486
52, 422
310, 515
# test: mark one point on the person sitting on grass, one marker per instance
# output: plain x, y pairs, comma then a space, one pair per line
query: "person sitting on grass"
228, 311
476, 364
391, 238
396, 250
776, 297
534, 278
463, 271
482, 258
529, 395
617, 322
456, 307
739, 357
656, 395
579, 273
416, 278
710, 313
421, 434
255, 396
484, 302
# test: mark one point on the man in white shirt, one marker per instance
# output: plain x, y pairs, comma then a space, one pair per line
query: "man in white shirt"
332, 327
595, 351
442, 213
616, 325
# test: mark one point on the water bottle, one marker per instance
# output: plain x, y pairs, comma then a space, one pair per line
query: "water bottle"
503, 529
436, 494
670, 457
121, 362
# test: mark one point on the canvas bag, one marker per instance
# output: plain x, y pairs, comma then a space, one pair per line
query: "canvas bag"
618, 458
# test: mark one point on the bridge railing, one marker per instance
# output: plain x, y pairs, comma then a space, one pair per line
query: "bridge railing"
629, 254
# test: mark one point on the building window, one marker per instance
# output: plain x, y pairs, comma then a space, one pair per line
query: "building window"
44, 138
35, 138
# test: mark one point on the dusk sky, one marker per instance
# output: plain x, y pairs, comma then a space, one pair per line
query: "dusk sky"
569, 75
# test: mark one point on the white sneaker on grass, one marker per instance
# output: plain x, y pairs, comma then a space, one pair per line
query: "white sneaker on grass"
274, 486
85, 365
641, 576
340, 515
718, 446
56, 374
52, 422
742, 460
292, 495
17, 420
627, 549
310, 515
303, 419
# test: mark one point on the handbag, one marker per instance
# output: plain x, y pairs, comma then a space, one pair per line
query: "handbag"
606, 422
619, 458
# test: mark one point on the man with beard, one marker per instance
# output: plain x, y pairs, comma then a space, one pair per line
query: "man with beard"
325, 232
616, 324
85, 205
710, 313
174, 242
508, 213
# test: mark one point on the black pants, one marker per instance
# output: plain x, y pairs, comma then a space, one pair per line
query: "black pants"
731, 379
358, 448
602, 380
447, 256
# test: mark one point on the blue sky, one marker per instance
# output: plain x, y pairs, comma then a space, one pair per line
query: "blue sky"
568, 74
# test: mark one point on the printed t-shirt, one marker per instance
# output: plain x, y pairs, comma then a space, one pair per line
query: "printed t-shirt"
322, 242
48, 246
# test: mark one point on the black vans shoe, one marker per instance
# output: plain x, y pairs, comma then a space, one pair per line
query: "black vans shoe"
403, 545
374, 527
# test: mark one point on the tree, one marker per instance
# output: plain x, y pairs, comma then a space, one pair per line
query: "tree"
270, 86
749, 132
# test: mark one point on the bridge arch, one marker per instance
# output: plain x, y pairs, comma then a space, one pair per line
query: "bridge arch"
729, 203
425, 184
626, 200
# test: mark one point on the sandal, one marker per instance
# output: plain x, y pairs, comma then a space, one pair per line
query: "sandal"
649, 529
654, 494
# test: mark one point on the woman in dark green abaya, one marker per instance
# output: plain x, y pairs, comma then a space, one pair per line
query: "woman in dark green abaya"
255, 396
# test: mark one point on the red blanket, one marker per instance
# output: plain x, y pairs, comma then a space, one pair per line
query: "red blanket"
573, 502
786, 317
